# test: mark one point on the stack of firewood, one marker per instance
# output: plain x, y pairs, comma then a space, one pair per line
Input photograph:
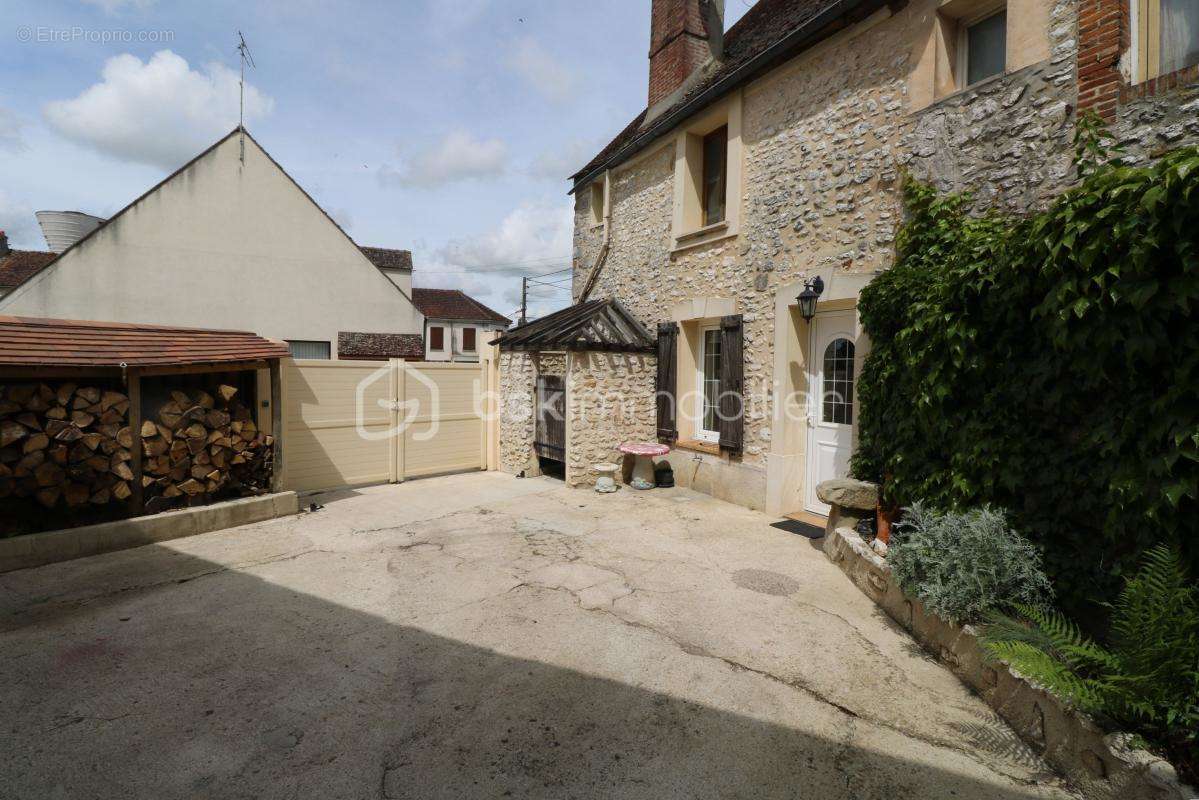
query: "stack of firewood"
199, 445
65, 444
71, 445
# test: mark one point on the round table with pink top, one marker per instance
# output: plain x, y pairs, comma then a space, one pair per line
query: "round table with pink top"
643, 466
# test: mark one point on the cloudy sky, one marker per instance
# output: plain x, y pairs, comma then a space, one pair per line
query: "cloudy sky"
448, 127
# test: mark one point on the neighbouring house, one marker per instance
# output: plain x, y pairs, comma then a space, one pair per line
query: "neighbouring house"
455, 324
229, 240
770, 156
18, 265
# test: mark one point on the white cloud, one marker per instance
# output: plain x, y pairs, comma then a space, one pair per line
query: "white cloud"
10, 132
17, 220
561, 162
160, 112
552, 78
457, 157
113, 6
534, 239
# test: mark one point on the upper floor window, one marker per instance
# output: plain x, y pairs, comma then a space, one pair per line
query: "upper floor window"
1167, 36
984, 48
715, 154
597, 201
436, 338
468, 340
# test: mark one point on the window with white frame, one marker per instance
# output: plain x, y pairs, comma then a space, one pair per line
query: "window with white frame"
708, 429
1166, 36
982, 47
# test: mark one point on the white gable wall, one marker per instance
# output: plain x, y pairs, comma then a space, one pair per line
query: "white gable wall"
223, 245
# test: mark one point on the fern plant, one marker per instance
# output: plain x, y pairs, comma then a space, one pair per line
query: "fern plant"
1145, 678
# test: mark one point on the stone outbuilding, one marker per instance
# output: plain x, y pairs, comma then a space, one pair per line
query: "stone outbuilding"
573, 385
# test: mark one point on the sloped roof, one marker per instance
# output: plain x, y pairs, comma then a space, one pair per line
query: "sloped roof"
769, 34
386, 258
380, 345
597, 325
455, 305
21, 264
38, 342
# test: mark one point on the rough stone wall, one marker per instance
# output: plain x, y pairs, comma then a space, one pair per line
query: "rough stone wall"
1148, 126
1009, 141
517, 384
518, 388
610, 399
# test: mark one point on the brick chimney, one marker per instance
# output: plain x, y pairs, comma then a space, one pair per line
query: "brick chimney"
684, 36
3, 244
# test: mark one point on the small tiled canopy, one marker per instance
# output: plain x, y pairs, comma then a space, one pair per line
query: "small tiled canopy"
37, 342
597, 325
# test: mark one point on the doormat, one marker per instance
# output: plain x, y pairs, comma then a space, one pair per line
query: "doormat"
802, 528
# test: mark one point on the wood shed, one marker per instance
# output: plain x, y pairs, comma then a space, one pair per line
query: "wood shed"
102, 420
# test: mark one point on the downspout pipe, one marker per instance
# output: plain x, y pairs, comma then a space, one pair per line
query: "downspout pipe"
605, 243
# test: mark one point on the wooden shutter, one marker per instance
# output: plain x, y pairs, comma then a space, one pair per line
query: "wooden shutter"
732, 383
668, 337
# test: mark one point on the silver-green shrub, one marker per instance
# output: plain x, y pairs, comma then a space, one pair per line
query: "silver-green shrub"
963, 565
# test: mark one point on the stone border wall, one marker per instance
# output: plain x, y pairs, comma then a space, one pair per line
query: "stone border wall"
1101, 766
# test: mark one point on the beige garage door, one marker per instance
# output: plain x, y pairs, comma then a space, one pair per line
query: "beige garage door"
350, 423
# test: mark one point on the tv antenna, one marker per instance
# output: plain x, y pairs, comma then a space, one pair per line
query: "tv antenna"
246, 58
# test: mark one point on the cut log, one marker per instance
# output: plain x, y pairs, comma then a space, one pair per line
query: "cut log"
11, 431
111, 399
49, 474
179, 450
204, 399
166, 433
64, 394
155, 447
149, 429
38, 441
101, 497
121, 469
216, 419
195, 445
124, 438
80, 403
55, 427
82, 419
171, 415
89, 393
226, 392
77, 494
172, 491
99, 463
191, 487
59, 454
58, 412
121, 491
69, 434
48, 496
181, 398
112, 418
196, 431
30, 421
92, 440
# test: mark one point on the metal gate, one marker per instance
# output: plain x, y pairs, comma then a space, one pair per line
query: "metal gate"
550, 438
350, 423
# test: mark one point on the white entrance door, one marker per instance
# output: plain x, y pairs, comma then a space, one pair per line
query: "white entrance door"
830, 402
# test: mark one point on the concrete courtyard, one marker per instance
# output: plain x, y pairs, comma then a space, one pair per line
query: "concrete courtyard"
483, 636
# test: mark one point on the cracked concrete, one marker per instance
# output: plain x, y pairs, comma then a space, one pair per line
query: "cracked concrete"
483, 636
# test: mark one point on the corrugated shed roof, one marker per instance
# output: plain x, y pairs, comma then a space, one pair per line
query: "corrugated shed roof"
21, 264
380, 345
596, 325
386, 258
33, 341
454, 304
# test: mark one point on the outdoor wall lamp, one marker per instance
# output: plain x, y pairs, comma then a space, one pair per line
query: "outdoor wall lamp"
807, 298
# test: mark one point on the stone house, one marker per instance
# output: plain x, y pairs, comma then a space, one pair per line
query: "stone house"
770, 155
456, 324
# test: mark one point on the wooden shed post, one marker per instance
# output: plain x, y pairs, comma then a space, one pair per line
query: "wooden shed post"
277, 423
133, 380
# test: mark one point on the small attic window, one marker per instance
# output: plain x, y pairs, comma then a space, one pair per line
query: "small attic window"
597, 201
